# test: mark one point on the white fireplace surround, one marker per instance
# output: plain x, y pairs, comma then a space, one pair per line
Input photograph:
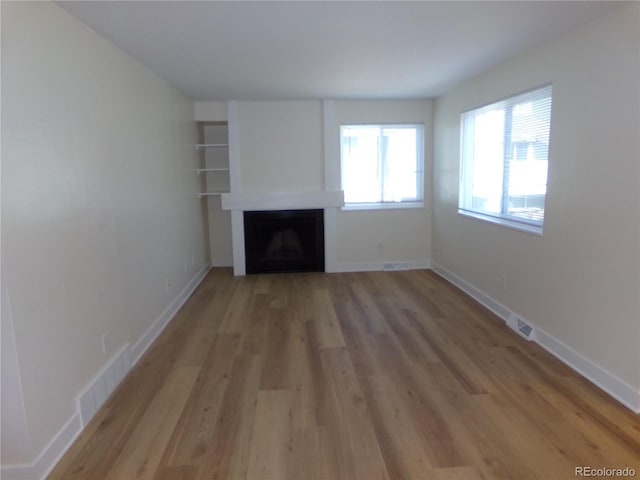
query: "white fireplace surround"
247, 201
240, 202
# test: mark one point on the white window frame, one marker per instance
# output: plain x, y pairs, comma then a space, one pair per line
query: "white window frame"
466, 177
419, 202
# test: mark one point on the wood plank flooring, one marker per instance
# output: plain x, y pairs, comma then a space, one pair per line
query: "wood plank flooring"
381, 375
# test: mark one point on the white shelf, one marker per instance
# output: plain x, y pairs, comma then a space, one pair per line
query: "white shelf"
208, 194
206, 170
211, 145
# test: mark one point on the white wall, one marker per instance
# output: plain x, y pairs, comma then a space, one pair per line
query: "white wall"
280, 146
210, 111
579, 282
366, 239
99, 208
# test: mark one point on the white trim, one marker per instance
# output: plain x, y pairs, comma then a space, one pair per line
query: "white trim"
233, 136
158, 325
200, 146
237, 239
618, 389
330, 239
382, 266
49, 456
381, 206
331, 139
235, 176
331, 157
624, 393
240, 202
496, 307
503, 222
281, 200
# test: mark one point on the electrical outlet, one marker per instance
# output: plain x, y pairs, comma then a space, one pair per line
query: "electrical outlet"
380, 247
167, 285
185, 268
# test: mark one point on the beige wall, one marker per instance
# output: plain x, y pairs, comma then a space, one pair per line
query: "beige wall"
294, 146
366, 239
579, 282
99, 208
280, 146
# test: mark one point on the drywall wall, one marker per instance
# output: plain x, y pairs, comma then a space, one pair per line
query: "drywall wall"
367, 239
580, 281
280, 146
210, 111
101, 223
15, 436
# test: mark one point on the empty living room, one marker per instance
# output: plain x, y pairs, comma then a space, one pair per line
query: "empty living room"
329, 240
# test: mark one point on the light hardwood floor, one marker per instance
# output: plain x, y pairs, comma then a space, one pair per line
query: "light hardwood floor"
382, 375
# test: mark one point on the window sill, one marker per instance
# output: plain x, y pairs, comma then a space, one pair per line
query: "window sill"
513, 225
382, 206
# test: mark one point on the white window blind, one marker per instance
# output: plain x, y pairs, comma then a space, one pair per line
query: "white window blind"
504, 159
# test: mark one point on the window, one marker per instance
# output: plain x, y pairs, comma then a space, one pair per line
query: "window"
382, 165
504, 157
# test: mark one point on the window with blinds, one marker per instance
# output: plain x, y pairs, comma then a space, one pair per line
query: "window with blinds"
504, 160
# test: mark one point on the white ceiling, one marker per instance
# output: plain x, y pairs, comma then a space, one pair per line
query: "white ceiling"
272, 50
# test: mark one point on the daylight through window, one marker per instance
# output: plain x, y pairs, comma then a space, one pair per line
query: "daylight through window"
382, 165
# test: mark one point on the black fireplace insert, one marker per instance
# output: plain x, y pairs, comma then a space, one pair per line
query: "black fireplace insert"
281, 241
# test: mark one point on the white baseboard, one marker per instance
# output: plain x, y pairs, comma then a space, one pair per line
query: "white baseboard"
96, 392
381, 266
621, 391
49, 456
158, 325
612, 385
496, 307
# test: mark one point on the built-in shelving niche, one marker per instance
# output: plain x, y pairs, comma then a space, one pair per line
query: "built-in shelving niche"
215, 180
214, 158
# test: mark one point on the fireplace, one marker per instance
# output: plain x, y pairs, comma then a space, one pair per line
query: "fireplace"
282, 241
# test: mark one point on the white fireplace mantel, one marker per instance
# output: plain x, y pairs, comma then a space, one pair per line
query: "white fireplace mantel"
248, 201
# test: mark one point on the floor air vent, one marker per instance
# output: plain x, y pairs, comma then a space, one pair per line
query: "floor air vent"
396, 266
524, 329
521, 327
